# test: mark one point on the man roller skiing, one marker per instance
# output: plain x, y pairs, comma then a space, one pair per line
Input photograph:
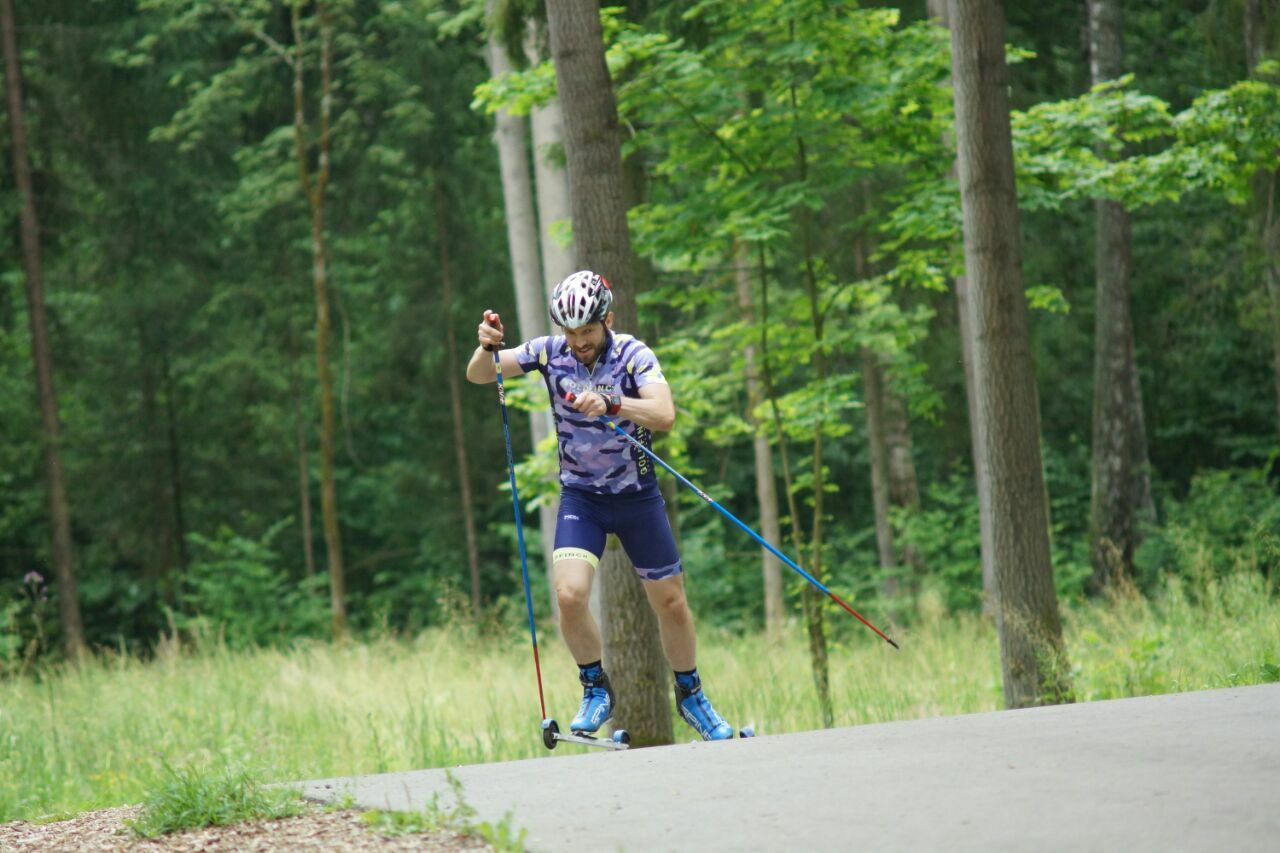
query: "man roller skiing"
606, 486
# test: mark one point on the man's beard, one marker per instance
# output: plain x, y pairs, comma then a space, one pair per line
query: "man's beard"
591, 357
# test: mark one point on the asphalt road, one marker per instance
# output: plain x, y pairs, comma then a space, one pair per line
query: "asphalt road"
1184, 772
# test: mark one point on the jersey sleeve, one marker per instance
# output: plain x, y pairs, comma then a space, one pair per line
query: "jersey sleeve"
644, 367
533, 355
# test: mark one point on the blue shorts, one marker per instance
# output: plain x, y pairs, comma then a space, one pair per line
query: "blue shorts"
639, 521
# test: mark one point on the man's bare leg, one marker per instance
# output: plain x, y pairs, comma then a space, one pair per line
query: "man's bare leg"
573, 591
675, 621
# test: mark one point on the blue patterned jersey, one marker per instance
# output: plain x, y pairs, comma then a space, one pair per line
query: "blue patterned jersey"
592, 458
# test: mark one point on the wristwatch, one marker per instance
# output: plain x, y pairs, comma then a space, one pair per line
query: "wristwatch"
612, 404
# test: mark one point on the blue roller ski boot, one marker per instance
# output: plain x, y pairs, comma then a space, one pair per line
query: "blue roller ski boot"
597, 700
696, 708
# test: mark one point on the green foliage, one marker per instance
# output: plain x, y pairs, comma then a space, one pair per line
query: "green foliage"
1229, 523
193, 797
236, 589
458, 819
26, 621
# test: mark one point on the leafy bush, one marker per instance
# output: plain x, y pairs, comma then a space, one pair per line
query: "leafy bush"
236, 589
1228, 522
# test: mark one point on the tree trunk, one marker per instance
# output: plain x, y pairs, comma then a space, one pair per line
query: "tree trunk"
41, 352
315, 192
526, 268
812, 599
1259, 37
873, 398
766, 486
551, 183
940, 14
893, 471
304, 467
550, 178
1121, 494
453, 370
592, 148
1031, 650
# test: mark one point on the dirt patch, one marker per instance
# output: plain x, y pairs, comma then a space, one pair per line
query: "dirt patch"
316, 830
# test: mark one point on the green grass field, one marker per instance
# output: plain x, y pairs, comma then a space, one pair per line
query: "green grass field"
102, 734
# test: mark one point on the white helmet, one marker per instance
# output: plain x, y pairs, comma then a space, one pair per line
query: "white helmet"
580, 299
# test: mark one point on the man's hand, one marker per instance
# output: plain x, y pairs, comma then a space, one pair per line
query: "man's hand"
490, 331
591, 403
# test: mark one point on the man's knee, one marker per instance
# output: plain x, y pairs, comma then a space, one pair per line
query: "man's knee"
573, 591
669, 601
572, 597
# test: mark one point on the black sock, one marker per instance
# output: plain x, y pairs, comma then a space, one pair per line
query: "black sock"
688, 680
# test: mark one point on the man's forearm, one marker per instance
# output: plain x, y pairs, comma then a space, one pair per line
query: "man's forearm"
480, 368
657, 415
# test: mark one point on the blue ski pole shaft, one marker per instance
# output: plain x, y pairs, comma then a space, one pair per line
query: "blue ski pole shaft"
756, 536
515, 505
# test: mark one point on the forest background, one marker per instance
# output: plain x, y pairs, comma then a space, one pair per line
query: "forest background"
259, 300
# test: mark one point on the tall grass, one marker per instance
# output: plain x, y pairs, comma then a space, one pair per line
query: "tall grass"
105, 733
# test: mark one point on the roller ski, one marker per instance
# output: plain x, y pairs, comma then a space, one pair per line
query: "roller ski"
596, 710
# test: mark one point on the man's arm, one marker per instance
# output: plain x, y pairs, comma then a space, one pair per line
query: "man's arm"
480, 368
655, 409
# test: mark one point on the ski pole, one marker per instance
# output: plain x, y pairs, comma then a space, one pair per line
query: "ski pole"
515, 505
756, 536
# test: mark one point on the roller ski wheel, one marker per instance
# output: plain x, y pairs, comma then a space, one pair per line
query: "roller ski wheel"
551, 735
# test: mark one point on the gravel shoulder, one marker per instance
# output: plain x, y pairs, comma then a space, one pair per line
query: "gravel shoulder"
339, 830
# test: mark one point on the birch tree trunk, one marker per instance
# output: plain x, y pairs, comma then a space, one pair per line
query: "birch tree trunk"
42, 354
939, 12
1121, 493
550, 178
633, 653
1032, 656
766, 484
551, 182
526, 268
315, 193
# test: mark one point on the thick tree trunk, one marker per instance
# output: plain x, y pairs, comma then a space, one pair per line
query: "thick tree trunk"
526, 269
453, 370
315, 192
633, 652
41, 352
1260, 33
766, 486
1121, 494
1031, 648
